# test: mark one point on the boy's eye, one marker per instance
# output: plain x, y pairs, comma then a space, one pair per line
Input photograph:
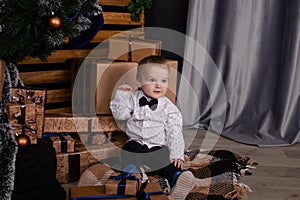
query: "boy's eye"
151, 80
164, 81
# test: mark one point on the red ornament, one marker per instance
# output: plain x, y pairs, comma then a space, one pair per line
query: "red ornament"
55, 22
23, 140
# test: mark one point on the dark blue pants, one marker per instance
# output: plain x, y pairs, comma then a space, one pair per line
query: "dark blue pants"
157, 158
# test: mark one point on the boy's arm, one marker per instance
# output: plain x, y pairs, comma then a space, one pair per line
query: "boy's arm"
174, 137
122, 104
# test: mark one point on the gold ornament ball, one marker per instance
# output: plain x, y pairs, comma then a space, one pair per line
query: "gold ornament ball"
66, 40
23, 140
55, 22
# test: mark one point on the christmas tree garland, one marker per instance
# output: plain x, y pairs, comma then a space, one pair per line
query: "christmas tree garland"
37, 28
136, 7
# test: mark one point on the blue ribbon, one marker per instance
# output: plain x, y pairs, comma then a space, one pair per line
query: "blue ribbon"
141, 195
102, 197
122, 184
48, 135
121, 187
124, 175
63, 143
147, 196
77, 13
90, 138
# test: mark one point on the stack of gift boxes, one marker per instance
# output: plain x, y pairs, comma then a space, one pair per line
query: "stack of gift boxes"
26, 112
79, 141
91, 142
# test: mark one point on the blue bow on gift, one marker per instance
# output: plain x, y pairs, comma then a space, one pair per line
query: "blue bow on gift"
140, 194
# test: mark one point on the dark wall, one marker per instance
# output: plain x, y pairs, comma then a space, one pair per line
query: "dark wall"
171, 14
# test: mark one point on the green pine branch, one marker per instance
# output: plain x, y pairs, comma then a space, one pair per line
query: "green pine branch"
136, 7
25, 29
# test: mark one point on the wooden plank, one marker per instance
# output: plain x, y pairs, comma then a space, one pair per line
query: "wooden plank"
277, 162
106, 34
269, 193
114, 2
61, 56
60, 95
274, 182
40, 77
120, 19
59, 110
291, 153
275, 171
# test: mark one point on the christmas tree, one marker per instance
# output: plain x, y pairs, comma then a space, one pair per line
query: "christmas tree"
36, 28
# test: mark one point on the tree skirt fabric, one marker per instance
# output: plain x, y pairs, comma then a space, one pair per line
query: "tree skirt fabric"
219, 173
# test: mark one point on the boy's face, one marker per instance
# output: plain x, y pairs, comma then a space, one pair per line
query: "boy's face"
154, 80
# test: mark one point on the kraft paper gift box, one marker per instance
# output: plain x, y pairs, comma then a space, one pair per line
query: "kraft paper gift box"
22, 116
109, 75
92, 192
70, 166
92, 138
65, 123
37, 96
63, 143
104, 124
132, 49
128, 184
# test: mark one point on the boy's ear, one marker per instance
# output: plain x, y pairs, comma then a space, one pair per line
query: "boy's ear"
139, 82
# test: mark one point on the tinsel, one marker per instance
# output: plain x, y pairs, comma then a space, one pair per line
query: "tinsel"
8, 144
83, 23
56, 39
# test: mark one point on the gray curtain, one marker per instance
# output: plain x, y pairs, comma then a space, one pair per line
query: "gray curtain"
255, 47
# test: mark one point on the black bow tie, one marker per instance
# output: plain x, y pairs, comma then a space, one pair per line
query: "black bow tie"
152, 103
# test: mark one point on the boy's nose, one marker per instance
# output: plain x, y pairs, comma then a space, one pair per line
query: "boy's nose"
158, 85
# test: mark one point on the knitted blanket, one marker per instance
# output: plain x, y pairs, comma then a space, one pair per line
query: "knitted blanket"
220, 173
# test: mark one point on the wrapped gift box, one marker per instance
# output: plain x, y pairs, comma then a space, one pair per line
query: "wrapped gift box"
37, 96
86, 192
65, 123
22, 116
132, 49
70, 166
92, 138
63, 143
112, 74
104, 124
122, 184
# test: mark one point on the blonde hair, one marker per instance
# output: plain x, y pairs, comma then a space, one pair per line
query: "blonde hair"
151, 60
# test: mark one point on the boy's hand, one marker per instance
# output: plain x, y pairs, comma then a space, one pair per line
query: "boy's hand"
125, 87
178, 163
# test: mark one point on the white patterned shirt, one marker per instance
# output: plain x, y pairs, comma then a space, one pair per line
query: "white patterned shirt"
161, 127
